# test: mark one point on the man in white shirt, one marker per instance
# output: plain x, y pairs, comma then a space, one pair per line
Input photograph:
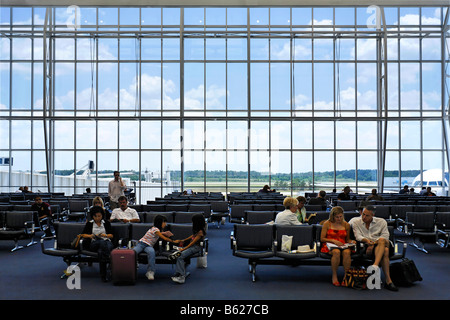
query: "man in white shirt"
124, 213
116, 188
374, 233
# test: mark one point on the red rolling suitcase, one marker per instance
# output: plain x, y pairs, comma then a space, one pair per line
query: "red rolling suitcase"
123, 266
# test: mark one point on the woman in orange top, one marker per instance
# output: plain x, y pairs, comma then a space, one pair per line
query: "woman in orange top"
336, 232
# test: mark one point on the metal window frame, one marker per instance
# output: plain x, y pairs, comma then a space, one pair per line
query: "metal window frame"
51, 31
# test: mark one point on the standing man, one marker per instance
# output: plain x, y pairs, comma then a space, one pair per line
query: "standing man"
373, 232
116, 188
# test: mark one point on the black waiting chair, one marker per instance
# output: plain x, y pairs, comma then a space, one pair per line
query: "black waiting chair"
385, 213
253, 242
259, 217
443, 229
160, 207
184, 231
18, 225
65, 233
302, 235
319, 217
177, 207
185, 217
78, 209
420, 225
204, 208
237, 212
398, 213
219, 211
149, 216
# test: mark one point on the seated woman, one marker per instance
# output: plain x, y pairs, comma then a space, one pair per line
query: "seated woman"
98, 202
191, 250
301, 212
335, 237
99, 234
289, 215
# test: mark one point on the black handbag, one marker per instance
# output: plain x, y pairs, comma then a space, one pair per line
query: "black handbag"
404, 273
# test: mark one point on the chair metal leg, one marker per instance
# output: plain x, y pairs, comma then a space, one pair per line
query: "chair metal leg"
442, 242
16, 246
252, 269
420, 248
32, 242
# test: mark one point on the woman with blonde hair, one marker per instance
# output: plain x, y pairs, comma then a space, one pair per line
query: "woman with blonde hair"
335, 237
289, 215
98, 202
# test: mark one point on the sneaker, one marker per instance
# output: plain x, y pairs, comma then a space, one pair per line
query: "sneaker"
150, 275
178, 279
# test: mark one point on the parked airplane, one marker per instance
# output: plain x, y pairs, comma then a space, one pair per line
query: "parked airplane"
432, 178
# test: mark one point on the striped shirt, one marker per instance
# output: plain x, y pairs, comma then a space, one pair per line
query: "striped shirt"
150, 237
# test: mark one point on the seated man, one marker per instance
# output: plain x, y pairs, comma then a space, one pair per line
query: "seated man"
375, 196
44, 211
405, 190
345, 195
320, 200
374, 233
429, 192
124, 213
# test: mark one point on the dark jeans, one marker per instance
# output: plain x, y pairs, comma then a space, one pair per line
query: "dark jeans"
103, 248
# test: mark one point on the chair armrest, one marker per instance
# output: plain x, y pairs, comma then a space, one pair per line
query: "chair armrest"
42, 244
232, 240
404, 246
131, 243
409, 228
80, 245
29, 230
359, 246
204, 245
120, 242
63, 215
317, 245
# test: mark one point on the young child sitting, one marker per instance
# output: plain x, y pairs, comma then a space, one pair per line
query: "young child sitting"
147, 242
192, 249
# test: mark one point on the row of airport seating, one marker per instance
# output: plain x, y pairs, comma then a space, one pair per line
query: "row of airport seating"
196, 196
62, 209
124, 235
6, 197
261, 244
18, 225
424, 226
427, 227
353, 205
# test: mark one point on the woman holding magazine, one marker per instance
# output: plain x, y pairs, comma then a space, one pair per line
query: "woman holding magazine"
335, 238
